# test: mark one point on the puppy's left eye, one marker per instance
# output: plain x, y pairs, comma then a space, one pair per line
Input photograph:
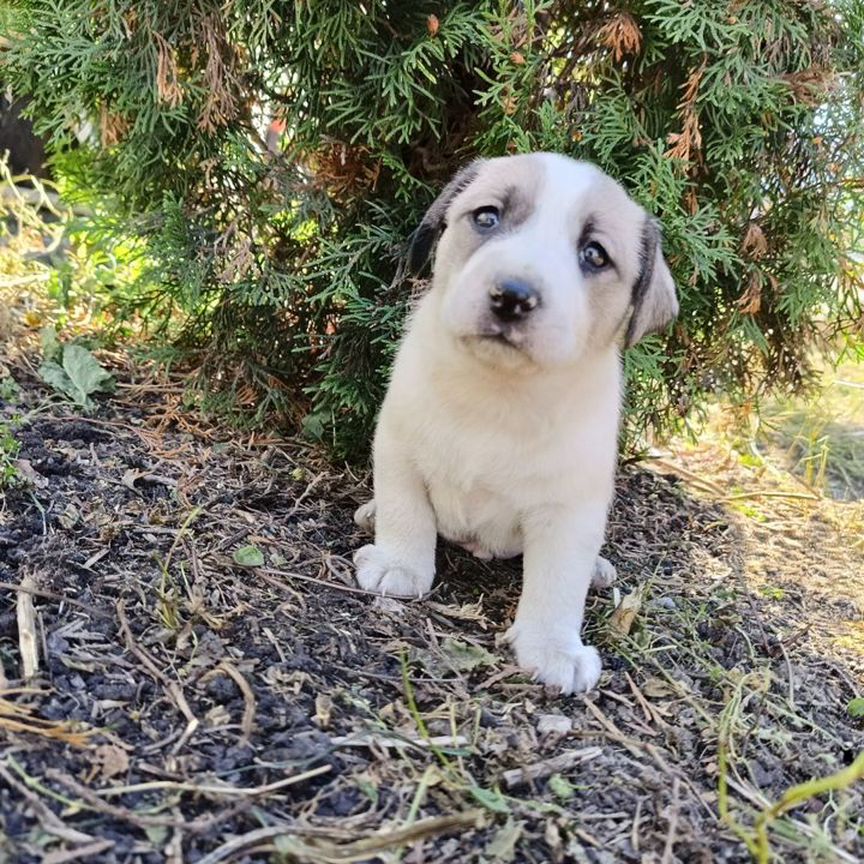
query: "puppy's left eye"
593, 256
486, 218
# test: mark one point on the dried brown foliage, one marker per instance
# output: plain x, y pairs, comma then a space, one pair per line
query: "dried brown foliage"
168, 89
687, 143
750, 302
621, 36
754, 244
809, 86
112, 127
345, 169
221, 74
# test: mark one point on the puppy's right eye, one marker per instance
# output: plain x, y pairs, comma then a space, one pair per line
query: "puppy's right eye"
593, 256
486, 218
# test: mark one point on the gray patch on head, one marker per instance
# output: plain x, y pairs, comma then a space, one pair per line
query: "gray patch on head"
512, 184
423, 239
517, 207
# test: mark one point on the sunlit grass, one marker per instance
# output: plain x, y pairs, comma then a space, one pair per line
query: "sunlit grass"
821, 440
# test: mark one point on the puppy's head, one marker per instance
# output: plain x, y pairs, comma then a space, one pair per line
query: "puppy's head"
541, 259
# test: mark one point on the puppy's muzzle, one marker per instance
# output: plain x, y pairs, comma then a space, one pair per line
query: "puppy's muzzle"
513, 300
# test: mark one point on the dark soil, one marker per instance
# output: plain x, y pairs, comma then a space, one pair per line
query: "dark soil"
190, 709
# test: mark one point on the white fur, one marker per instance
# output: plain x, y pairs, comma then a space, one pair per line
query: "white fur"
511, 449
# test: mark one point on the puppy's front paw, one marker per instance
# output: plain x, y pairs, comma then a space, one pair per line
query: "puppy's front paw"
566, 664
376, 571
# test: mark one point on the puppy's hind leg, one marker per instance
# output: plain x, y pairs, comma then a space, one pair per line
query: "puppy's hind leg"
364, 516
604, 573
401, 561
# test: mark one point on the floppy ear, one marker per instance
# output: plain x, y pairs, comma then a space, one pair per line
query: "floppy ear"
654, 303
424, 238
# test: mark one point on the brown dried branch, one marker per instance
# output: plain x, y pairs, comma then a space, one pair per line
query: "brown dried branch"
112, 127
516, 777
622, 36
27, 640
346, 171
222, 105
809, 86
168, 90
92, 801
754, 244
249, 701
688, 142
363, 849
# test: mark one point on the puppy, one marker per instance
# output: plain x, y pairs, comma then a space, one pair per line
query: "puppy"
499, 429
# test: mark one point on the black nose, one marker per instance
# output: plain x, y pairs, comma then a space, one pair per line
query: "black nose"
512, 300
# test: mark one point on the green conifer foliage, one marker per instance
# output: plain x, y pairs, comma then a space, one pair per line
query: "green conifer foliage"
739, 124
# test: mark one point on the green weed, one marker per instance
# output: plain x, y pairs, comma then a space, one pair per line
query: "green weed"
9, 448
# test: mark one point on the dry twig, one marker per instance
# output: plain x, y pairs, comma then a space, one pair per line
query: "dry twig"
249, 702
516, 777
360, 850
27, 641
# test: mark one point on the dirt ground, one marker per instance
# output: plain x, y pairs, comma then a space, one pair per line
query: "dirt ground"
190, 708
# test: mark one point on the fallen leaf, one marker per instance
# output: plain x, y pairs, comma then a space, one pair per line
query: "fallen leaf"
465, 612
855, 708
502, 847
655, 688
217, 716
554, 724
70, 516
33, 318
51, 347
79, 376
463, 657
323, 709
29, 473
622, 619
157, 835
452, 656
111, 760
130, 476
561, 787
249, 556
388, 605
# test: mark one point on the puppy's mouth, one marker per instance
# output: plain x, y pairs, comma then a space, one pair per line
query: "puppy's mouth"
510, 337
500, 348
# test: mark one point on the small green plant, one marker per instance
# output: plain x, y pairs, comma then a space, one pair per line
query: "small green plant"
9, 449
796, 796
73, 371
249, 556
9, 389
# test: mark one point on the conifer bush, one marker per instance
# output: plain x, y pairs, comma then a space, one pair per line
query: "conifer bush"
739, 124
